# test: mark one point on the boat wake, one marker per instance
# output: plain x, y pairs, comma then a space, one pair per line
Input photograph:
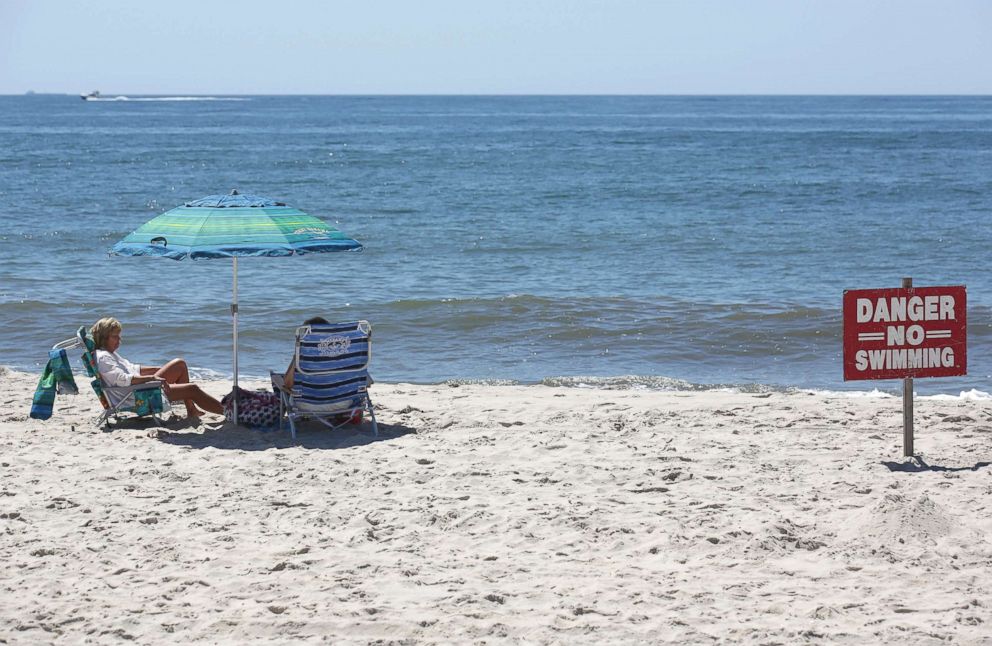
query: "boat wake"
96, 96
171, 98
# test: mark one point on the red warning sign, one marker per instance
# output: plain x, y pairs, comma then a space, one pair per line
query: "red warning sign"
905, 332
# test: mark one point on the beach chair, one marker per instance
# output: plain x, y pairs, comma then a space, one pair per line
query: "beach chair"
331, 380
139, 399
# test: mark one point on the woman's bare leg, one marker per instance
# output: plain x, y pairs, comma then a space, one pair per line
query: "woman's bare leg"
175, 372
193, 394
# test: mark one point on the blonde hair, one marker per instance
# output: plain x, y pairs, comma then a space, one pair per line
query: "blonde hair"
102, 329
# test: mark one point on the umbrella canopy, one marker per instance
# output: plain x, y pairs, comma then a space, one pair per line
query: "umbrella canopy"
233, 226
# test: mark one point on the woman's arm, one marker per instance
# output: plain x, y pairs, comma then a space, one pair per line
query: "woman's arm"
118, 374
290, 371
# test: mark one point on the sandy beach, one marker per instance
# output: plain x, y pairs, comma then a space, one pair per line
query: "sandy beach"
488, 514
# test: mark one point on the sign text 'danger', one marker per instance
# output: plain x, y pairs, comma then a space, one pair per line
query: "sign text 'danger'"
906, 332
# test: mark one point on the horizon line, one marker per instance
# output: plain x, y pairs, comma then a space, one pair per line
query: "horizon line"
520, 94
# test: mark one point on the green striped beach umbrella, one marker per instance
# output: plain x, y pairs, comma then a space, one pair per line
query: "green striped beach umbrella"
233, 226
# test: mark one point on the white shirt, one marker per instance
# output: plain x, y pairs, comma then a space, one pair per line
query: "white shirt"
114, 369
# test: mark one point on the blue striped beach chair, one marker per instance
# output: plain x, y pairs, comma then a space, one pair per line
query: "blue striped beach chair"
331, 380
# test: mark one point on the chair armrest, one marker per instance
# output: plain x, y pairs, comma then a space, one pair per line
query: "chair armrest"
154, 383
279, 381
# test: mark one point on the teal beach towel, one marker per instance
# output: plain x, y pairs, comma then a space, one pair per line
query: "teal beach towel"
57, 377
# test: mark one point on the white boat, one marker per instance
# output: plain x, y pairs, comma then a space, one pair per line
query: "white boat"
95, 94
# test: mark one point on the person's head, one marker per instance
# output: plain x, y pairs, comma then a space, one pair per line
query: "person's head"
316, 320
106, 334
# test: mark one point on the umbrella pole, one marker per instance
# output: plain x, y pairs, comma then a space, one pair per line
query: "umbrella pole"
234, 319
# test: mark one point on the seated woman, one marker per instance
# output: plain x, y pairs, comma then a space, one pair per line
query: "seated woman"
288, 378
117, 371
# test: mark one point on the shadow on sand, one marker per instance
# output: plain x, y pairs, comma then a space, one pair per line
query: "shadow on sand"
148, 424
917, 464
224, 435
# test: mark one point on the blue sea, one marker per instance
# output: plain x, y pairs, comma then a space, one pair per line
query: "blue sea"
657, 242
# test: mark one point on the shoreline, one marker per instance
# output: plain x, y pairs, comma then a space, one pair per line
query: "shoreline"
637, 383
499, 513
924, 388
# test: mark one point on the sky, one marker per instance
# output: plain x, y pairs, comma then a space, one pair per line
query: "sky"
213, 47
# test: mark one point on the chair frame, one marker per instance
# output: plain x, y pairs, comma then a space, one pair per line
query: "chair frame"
115, 410
287, 404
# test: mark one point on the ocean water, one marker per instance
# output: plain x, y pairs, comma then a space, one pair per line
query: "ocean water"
663, 242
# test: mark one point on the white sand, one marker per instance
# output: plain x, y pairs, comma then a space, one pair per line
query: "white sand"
495, 514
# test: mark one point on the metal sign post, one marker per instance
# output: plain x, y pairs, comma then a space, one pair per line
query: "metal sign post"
907, 401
